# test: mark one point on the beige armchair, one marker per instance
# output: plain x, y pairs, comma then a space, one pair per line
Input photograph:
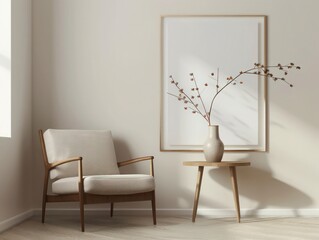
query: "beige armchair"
83, 168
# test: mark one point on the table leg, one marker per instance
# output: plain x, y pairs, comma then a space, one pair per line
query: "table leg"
233, 177
197, 192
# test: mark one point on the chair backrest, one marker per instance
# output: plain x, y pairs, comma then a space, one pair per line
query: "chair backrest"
94, 146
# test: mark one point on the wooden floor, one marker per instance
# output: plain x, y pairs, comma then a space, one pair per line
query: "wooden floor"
140, 227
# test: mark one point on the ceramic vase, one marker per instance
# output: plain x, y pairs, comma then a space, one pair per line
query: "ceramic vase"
213, 147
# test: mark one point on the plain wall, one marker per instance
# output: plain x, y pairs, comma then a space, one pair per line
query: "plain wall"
16, 152
97, 65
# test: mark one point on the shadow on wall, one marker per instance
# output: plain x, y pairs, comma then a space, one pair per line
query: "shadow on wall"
122, 150
255, 182
123, 153
259, 185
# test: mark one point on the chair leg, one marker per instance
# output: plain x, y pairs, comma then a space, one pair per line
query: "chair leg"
154, 208
111, 210
44, 196
82, 215
43, 208
81, 206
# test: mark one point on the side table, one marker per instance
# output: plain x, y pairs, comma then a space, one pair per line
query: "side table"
233, 177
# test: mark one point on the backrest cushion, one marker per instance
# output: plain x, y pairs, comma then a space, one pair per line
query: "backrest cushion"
95, 147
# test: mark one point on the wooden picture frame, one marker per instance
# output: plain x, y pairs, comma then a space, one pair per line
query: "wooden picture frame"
202, 45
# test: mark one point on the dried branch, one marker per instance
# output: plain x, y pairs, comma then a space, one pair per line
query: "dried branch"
258, 69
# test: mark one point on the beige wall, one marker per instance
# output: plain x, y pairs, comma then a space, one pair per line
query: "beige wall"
15, 168
96, 65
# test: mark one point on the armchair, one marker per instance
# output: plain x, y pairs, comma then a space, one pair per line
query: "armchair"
83, 168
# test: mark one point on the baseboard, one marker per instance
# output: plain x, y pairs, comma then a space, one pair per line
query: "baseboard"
216, 213
260, 212
11, 222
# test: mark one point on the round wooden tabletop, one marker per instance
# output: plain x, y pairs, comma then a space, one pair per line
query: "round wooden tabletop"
217, 164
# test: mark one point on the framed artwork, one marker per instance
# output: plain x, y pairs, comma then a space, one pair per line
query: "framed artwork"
224, 46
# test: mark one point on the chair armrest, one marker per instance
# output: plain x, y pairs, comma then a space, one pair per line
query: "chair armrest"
60, 162
140, 159
74, 159
134, 160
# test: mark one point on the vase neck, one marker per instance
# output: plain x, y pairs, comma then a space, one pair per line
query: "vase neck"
213, 131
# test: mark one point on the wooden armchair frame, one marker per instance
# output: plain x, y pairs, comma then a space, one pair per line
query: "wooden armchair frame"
86, 198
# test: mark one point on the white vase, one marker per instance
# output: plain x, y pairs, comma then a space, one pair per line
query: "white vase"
213, 147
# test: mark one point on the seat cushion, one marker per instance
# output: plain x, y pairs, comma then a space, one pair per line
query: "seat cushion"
118, 184
94, 146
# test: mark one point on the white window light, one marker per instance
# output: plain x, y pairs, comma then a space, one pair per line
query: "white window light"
5, 68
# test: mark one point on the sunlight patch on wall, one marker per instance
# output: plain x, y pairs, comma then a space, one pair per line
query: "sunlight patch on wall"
5, 68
